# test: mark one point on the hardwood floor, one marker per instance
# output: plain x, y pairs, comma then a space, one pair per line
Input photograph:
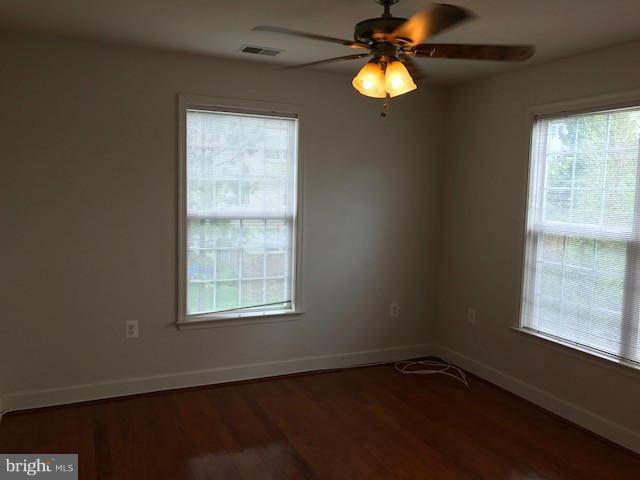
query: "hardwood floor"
364, 423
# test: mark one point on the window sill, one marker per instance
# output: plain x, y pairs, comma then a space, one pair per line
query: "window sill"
246, 318
593, 355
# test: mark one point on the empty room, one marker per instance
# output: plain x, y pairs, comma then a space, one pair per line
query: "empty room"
320, 239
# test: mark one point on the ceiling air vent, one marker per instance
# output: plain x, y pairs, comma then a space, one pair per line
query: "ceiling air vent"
269, 52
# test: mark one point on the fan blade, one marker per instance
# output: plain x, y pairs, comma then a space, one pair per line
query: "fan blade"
328, 60
415, 72
312, 36
507, 53
429, 22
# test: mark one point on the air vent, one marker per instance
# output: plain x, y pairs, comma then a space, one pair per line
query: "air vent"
269, 52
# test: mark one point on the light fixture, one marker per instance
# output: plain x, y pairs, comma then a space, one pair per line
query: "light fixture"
397, 80
374, 81
370, 81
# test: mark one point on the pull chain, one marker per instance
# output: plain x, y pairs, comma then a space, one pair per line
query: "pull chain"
385, 107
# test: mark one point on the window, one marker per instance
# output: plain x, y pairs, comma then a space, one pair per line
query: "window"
582, 264
239, 211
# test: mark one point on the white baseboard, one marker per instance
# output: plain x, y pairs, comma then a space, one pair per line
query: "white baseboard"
595, 423
131, 386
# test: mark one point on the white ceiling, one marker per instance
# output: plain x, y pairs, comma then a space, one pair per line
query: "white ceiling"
557, 28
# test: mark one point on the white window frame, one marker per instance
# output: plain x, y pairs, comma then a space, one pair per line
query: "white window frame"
571, 107
218, 319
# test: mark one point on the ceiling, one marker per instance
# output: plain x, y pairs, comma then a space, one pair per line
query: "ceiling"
219, 28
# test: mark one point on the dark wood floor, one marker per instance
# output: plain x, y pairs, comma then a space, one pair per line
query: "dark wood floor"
362, 423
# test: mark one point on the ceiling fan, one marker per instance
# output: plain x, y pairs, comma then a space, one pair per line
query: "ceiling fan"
393, 42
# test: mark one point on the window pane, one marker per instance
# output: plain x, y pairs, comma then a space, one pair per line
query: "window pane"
551, 280
557, 205
252, 292
253, 262
553, 248
201, 265
589, 170
240, 210
227, 266
561, 136
582, 215
277, 233
580, 252
226, 295
200, 297
276, 263
560, 170
276, 291
227, 195
253, 232
587, 207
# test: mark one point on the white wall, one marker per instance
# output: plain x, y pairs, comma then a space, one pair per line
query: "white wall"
481, 242
89, 204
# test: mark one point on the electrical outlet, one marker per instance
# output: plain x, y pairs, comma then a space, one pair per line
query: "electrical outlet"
394, 310
471, 315
131, 329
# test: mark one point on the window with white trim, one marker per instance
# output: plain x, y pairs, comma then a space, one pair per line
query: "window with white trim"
582, 262
240, 213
